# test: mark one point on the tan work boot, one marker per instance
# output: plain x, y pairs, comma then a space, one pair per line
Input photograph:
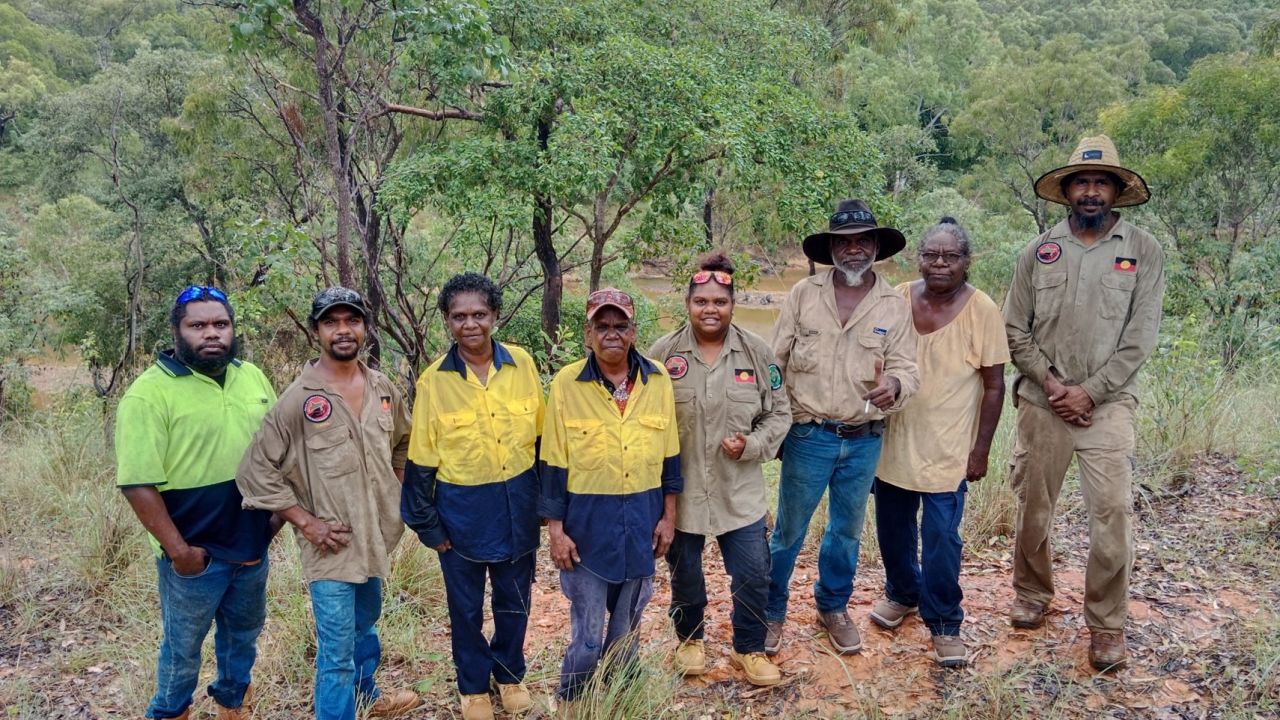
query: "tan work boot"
241, 713
758, 669
1107, 650
477, 707
1026, 614
395, 702
949, 651
772, 637
691, 657
186, 715
515, 697
841, 631
889, 614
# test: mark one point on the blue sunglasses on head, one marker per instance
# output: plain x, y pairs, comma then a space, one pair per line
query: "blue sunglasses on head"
193, 293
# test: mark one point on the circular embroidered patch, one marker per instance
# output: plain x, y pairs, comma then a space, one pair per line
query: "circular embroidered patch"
317, 408
677, 366
775, 377
1049, 253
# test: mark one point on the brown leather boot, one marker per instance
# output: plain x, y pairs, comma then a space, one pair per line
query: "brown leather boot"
1107, 651
1026, 614
241, 713
841, 631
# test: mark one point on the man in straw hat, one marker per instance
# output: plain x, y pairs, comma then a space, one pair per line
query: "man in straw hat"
847, 350
1082, 315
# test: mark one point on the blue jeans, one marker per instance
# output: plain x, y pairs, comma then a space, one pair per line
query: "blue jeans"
746, 559
933, 581
592, 636
814, 460
347, 647
231, 596
475, 657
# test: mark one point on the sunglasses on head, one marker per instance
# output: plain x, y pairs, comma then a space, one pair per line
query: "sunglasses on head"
847, 216
193, 293
705, 276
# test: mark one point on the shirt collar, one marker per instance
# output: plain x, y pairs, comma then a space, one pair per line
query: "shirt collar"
1062, 231
453, 361
635, 361
168, 362
685, 341
312, 380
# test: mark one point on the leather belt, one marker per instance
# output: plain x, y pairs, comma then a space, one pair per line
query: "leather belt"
844, 431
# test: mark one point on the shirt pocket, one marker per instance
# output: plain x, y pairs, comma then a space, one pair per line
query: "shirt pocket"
686, 408
331, 454
652, 437
743, 406
587, 443
1050, 289
459, 443
804, 351
871, 348
1117, 292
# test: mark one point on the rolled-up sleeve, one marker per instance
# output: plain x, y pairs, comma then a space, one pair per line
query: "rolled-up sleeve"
262, 477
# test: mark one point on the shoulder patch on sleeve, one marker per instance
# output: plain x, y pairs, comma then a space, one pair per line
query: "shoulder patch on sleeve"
775, 376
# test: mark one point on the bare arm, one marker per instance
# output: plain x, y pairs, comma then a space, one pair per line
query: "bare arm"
150, 509
989, 410
325, 536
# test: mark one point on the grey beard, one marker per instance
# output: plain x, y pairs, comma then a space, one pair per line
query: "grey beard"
853, 276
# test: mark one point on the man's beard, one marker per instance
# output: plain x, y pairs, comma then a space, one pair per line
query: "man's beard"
344, 356
854, 273
204, 364
1091, 222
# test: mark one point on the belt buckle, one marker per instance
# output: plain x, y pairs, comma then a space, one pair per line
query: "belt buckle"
844, 431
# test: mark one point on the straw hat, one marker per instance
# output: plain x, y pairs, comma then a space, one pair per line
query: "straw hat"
852, 217
1095, 153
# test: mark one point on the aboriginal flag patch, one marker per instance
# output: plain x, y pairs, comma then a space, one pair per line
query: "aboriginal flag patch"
746, 376
1129, 265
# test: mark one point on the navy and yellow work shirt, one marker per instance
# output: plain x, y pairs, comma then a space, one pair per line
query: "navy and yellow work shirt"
471, 477
604, 473
184, 434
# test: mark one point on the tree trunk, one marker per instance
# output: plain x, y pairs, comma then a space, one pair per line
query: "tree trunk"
598, 240
708, 200
545, 249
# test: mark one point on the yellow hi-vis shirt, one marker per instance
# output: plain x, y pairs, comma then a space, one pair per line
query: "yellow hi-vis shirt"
603, 472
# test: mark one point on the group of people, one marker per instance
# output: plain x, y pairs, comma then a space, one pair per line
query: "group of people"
863, 389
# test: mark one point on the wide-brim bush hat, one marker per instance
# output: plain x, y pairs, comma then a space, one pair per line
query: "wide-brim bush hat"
852, 217
1095, 153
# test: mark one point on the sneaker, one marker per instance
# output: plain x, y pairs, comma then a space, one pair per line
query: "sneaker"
477, 707
757, 668
949, 651
1026, 614
1107, 650
772, 637
889, 614
515, 697
240, 713
691, 657
841, 631
395, 702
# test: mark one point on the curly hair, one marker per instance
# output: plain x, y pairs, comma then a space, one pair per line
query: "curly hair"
715, 261
178, 312
470, 282
948, 225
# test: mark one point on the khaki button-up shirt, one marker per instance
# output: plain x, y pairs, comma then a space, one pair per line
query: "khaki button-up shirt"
1089, 313
742, 391
829, 367
313, 451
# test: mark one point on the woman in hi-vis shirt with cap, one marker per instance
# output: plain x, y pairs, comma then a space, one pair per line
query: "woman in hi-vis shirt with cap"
733, 413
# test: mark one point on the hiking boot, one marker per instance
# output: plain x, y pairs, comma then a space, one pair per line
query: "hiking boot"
772, 637
477, 707
1107, 650
841, 631
515, 697
949, 651
1026, 614
757, 668
691, 657
395, 702
889, 614
240, 713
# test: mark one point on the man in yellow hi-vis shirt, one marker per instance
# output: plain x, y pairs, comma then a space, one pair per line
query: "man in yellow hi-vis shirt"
610, 471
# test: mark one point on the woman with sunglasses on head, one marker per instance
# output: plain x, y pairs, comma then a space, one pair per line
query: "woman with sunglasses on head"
733, 413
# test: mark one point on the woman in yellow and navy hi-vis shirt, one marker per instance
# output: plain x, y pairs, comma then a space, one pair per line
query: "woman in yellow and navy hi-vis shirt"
471, 489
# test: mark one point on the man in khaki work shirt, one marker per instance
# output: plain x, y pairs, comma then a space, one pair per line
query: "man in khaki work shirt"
329, 459
847, 348
1083, 315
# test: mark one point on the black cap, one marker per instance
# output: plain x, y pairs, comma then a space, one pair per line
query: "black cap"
330, 298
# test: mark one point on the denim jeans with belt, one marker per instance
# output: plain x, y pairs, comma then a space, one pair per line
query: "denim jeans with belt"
813, 461
922, 558
604, 620
746, 559
230, 596
475, 657
347, 646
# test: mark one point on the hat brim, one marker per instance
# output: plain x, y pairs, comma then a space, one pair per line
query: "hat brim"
1136, 192
364, 311
817, 247
596, 310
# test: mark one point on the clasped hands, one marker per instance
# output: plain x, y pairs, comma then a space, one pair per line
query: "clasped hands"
1069, 402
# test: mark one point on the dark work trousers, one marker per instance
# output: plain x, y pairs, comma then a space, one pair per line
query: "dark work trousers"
922, 558
746, 559
475, 657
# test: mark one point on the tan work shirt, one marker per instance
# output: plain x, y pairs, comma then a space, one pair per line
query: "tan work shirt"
741, 391
313, 451
829, 367
1092, 314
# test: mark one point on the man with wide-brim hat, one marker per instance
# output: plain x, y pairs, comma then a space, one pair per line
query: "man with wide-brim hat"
846, 349
1083, 315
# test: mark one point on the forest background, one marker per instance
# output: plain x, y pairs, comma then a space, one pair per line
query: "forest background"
273, 148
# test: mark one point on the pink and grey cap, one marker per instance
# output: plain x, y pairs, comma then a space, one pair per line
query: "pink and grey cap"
610, 297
